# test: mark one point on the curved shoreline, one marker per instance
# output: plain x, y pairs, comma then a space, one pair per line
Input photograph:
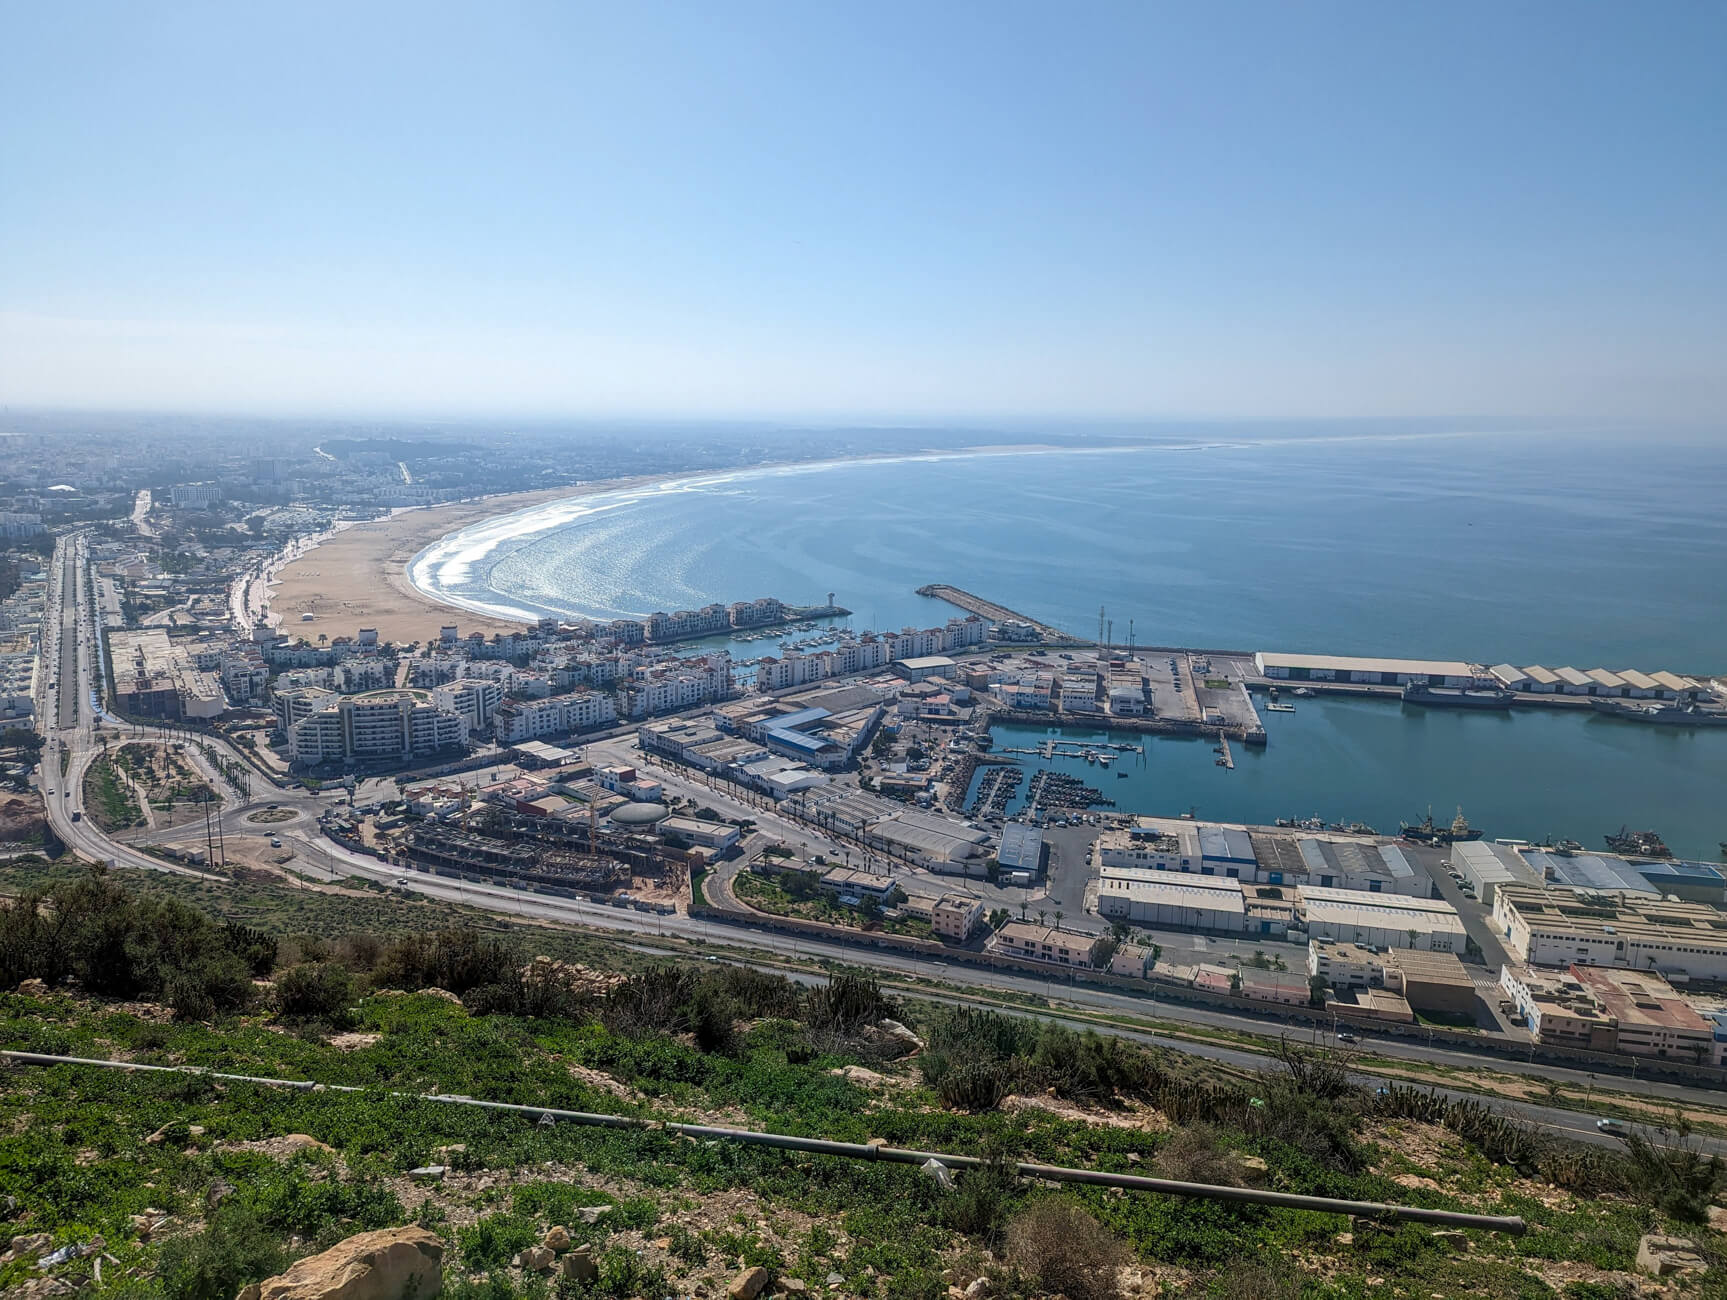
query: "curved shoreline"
357, 577
337, 581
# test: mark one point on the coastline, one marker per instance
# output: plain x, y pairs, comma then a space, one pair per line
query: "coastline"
357, 577
337, 579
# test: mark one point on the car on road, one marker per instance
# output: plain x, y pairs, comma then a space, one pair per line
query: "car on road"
1344, 1036
1611, 1127
275, 841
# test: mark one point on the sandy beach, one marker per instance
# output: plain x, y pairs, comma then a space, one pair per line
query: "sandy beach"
358, 578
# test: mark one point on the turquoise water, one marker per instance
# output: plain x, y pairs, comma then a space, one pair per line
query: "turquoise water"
1535, 549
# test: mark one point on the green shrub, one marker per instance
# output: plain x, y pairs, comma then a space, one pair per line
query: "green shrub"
321, 991
232, 1251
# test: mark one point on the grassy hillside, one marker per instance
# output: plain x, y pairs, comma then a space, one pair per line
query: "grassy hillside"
89, 1153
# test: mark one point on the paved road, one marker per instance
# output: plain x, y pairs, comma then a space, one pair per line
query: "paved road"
319, 858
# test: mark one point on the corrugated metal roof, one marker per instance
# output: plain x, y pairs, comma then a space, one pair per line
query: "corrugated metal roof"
1224, 845
1396, 862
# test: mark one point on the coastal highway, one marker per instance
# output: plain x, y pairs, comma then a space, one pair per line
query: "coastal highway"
319, 858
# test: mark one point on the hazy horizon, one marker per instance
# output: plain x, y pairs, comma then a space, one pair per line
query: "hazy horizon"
900, 214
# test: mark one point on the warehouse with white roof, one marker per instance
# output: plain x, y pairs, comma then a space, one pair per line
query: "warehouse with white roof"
1381, 921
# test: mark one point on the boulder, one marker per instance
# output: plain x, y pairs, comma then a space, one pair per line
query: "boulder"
32, 989
579, 1265
859, 1075
1661, 1256
593, 1213
557, 1239
1415, 1180
901, 1035
1718, 1218
31, 1243
371, 1266
748, 1284
538, 1259
1451, 1239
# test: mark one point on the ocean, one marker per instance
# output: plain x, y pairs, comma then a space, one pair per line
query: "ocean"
1583, 550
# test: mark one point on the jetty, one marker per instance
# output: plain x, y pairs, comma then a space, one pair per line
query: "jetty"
975, 604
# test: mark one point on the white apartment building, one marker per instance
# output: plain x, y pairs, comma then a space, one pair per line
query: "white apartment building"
385, 725
514, 721
364, 674
300, 702
472, 699
794, 669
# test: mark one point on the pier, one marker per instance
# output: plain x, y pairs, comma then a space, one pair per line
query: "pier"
973, 604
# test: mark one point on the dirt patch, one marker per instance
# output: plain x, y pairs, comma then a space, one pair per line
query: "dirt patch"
1134, 1115
21, 818
353, 1042
272, 815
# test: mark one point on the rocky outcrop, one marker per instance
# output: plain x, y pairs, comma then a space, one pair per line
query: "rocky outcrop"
1664, 1256
748, 1284
372, 1266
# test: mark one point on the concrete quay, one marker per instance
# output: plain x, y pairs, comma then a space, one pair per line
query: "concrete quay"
974, 604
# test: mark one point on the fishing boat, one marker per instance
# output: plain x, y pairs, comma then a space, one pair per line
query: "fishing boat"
1426, 832
1638, 844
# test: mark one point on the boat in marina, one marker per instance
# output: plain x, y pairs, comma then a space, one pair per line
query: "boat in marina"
1661, 715
1421, 691
1426, 832
1639, 844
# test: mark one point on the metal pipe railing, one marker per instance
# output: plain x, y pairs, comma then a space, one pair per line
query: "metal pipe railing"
854, 1151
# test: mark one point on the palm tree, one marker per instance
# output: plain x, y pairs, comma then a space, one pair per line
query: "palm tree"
1040, 917
1058, 920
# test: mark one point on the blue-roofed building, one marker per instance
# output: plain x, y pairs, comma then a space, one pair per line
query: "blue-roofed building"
1695, 882
1597, 873
1227, 852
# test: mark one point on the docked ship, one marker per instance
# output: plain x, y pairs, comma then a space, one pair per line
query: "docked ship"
1638, 844
1662, 715
1425, 832
1421, 691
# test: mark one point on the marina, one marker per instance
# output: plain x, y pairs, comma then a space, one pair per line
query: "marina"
1346, 760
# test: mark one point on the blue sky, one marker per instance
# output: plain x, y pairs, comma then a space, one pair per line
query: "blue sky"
914, 210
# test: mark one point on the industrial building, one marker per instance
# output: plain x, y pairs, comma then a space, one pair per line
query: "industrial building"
1677, 939
1557, 1008
1372, 672
1430, 981
1021, 848
1652, 1019
718, 836
1169, 901
916, 669
1379, 920
1336, 862
1485, 867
